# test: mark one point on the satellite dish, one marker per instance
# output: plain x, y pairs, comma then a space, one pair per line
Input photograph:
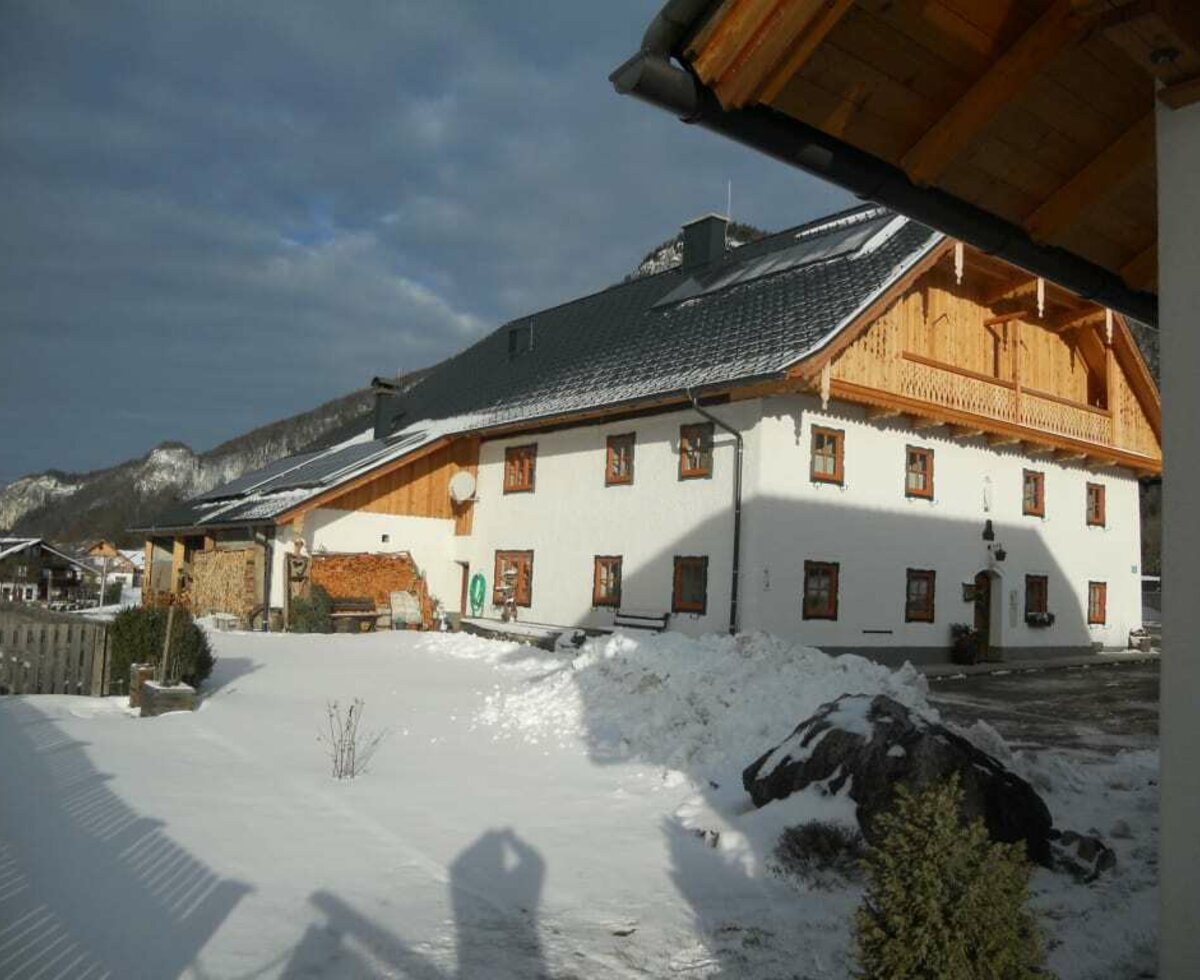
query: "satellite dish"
462, 487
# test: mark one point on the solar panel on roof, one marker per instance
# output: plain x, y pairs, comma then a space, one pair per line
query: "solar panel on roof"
815, 246
241, 484
314, 470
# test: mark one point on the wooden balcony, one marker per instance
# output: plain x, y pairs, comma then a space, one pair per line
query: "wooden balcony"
993, 398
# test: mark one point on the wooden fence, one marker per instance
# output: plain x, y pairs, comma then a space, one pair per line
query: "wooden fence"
44, 653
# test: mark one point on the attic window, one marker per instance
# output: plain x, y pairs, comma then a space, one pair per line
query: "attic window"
520, 340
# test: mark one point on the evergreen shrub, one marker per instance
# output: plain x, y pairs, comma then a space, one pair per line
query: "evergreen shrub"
312, 613
942, 901
137, 638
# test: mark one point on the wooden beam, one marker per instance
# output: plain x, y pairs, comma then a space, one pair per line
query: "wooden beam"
919, 423
1130, 152
1036, 448
875, 414
1181, 94
806, 40
1074, 318
1141, 272
1006, 78
1069, 455
1100, 463
964, 432
1002, 439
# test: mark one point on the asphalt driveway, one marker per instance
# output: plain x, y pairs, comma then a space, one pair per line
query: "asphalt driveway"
1104, 708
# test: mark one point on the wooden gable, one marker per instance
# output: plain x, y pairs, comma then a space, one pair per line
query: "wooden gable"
960, 342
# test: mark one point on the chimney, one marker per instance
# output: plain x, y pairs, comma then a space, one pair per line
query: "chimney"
703, 240
387, 401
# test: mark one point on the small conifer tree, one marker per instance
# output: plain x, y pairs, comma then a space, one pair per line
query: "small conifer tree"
942, 901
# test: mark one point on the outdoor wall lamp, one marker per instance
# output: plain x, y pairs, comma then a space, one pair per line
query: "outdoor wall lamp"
988, 533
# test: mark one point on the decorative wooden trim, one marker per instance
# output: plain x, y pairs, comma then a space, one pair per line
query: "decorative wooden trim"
920, 423
1104, 174
599, 596
955, 369
923, 614
1095, 493
1097, 603
923, 453
838, 437
1069, 455
965, 431
1036, 507
678, 602
701, 433
1032, 448
613, 444
995, 439
1000, 84
873, 414
520, 468
1069, 402
830, 609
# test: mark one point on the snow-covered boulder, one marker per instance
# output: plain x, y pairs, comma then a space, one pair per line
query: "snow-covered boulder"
875, 744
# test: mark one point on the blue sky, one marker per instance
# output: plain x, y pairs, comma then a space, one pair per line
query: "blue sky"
217, 214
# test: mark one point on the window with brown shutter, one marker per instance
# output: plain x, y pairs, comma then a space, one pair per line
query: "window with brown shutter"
1097, 603
1095, 505
1037, 588
919, 592
820, 590
513, 568
519, 465
827, 455
1033, 493
618, 465
695, 450
690, 591
606, 580
918, 473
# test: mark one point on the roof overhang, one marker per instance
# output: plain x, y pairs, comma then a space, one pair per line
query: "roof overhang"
1026, 130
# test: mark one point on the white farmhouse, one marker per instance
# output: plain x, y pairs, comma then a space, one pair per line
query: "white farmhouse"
855, 433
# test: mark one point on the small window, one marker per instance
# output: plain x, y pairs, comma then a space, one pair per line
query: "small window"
519, 465
514, 571
1036, 595
827, 455
1033, 494
520, 340
618, 465
690, 593
22, 571
1095, 505
695, 450
918, 602
918, 473
820, 590
1097, 603
606, 581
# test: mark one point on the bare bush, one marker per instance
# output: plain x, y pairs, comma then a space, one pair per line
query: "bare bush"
350, 749
824, 854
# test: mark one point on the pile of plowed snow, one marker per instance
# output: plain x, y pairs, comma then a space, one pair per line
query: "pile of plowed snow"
693, 704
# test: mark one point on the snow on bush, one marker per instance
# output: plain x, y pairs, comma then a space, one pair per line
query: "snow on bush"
690, 703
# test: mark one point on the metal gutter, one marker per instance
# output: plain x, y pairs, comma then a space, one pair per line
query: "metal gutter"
737, 509
650, 76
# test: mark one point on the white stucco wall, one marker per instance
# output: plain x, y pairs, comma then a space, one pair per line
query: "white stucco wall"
572, 516
875, 533
1178, 136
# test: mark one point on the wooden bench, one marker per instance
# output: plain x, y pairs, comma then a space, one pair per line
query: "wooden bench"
352, 615
641, 619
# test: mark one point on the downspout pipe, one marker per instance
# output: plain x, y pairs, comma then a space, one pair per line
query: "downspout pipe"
737, 508
268, 560
650, 76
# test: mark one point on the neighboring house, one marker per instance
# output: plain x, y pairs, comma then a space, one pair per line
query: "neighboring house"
31, 570
853, 433
117, 565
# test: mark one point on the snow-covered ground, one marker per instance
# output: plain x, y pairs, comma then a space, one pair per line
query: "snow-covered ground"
527, 813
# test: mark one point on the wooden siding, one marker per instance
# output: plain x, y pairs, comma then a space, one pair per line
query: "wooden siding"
934, 345
418, 489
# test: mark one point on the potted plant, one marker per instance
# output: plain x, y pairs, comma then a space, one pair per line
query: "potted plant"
965, 645
1039, 619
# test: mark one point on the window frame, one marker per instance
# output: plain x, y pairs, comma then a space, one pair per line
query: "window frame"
686, 432
678, 603
838, 476
1043, 584
529, 481
598, 562
830, 610
628, 439
519, 556
1038, 508
927, 453
1099, 589
1101, 520
920, 574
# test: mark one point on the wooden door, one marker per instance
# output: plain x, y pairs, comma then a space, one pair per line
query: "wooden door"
983, 612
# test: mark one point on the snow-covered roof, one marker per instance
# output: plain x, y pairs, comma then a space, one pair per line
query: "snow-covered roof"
13, 546
750, 314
